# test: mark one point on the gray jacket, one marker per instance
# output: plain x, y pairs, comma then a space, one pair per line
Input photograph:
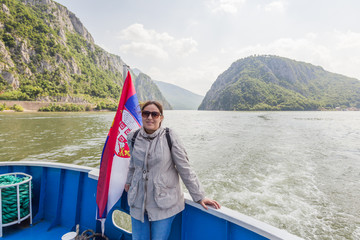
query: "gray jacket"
154, 176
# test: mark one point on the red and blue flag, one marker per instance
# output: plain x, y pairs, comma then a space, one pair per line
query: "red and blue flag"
116, 154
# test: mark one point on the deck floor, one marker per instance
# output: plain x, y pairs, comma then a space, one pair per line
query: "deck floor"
37, 231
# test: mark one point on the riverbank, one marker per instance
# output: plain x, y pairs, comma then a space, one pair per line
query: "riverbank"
32, 106
29, 106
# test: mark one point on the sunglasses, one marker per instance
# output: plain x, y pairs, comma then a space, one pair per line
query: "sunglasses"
146, 114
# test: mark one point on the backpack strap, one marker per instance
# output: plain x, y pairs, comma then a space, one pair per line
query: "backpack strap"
134, 137
168, 138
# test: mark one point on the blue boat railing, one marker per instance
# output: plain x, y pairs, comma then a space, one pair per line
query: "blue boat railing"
65, 195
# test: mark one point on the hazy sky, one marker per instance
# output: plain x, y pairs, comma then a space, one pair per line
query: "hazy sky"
190, 42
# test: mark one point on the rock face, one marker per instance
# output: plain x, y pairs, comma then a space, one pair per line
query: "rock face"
63, 18
276, 83
46, 53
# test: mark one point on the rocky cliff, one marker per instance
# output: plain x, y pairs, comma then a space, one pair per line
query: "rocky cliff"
46, 53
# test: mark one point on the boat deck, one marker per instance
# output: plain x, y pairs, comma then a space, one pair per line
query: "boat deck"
35, 232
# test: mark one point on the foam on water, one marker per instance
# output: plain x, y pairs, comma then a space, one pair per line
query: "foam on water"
278, 170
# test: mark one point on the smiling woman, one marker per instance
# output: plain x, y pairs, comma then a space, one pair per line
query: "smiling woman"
152, 115
153, 185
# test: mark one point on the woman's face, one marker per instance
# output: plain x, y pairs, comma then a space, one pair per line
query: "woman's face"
150, 122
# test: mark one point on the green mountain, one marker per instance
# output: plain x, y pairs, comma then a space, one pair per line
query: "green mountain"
147, 90
47, 54
179, 98
277, 83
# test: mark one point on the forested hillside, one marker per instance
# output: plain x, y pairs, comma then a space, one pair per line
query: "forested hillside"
47, 54
277, 83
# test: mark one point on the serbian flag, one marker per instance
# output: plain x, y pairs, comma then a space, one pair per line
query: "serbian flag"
116, 155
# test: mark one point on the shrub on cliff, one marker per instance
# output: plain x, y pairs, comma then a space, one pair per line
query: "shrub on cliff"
17, 108
108, 106
2, 107
14, 95
67, 107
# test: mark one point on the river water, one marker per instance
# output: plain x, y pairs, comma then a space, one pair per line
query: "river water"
299, 171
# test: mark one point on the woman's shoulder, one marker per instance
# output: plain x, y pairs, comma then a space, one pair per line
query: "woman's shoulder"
164, 130
132, 133
172, 133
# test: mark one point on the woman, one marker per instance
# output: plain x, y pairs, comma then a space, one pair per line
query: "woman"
153, 185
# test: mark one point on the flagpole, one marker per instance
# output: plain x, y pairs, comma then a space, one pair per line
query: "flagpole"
125, 70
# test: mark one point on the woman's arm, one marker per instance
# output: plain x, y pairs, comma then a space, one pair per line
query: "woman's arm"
129, 175
188, 176
131, 165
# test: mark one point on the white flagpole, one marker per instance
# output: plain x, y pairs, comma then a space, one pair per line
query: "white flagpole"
125, 70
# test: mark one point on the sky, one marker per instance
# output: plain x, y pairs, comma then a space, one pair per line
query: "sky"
189, 43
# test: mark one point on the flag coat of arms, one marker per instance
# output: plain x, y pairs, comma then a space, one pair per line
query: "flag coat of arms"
116, 155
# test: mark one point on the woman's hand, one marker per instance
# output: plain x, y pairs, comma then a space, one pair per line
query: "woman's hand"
207, 201
126, 188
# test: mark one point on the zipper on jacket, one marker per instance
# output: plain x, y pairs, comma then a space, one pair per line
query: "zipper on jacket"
145, 177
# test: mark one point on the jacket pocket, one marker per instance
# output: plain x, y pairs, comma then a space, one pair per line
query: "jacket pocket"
133, 192
166, 197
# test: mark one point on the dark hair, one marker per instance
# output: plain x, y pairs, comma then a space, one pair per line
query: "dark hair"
156, 103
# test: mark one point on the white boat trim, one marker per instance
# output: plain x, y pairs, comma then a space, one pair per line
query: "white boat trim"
245, 221
66, 166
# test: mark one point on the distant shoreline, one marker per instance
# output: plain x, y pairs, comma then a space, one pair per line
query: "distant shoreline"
34, 106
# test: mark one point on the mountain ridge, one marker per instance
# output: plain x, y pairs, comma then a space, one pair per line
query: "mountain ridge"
180, 98
269, 82
143, 84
